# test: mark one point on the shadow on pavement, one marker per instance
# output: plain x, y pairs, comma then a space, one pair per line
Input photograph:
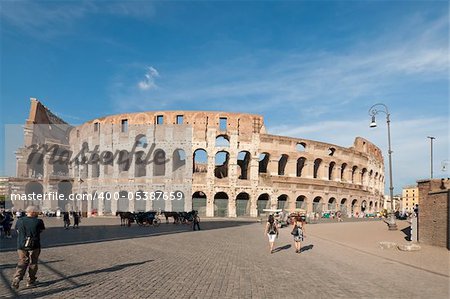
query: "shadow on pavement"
306, 248
58, 236
282, 248
407, 232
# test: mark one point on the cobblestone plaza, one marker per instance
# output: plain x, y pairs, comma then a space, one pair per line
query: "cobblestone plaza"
227, 259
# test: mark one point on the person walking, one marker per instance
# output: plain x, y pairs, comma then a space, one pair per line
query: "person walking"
298, 231
66, 220
196, 220
29, 230
271, 231
6, 223
76, 220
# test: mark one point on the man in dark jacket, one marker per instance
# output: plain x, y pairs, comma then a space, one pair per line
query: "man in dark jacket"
28, 246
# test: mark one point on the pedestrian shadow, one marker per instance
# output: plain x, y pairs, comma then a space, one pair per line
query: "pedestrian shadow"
70, 277
282, 248
306, 248
407, 232
12, 266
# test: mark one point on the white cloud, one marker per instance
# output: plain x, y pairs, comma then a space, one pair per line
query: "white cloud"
149, 81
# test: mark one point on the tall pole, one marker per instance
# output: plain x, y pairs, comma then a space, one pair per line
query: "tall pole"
431, 150
392, 225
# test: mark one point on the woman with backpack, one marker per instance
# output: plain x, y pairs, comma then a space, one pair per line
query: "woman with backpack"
271, 231
298, 231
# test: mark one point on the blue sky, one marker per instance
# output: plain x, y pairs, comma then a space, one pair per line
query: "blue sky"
311, 68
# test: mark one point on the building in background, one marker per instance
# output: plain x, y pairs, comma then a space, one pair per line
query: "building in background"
410, 197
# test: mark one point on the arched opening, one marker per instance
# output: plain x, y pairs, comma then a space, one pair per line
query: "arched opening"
301, 147
107, 203
140, 201
94, 204
262, 203
141, 141
282, 164
36, 188
122, 202
60, 168
65, 189
221, 164
343, 206
331, 151
159, 204
178, 160
221, 204
140, 165
244, 163
199, 202
222, 141
35, 164
317, 163
354, 169
332, 204
281, 201
317, 205
263, 162
95, 168
200, 161
364, 206
331, 171
178, 201
124, 161
242, 204
159, 163
354, 207
107, 160
300, 203
363, 176
370, 206
344, 165
300, 165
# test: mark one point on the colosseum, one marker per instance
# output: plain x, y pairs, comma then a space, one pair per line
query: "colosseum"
220, 163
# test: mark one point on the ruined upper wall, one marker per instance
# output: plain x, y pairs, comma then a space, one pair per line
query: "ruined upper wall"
39, 114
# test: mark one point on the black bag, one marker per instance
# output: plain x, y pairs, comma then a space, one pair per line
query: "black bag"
294, 232
29, 243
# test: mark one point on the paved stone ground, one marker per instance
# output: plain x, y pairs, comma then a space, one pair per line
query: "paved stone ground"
227, 259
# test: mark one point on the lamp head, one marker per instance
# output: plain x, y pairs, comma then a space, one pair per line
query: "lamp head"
373, 124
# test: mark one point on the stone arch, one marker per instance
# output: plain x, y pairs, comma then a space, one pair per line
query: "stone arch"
141, 141
123, 201
179, 201
124, 161
282, 162
332, 204
140, 201
364, 176
331, 171
301, 202
222, 141
343, 206
221, 164
107, 159
317, 164
301, 162
364, 206
243, 204
178, 160
107, 198
35, 165
36, 188
343, 168
317, 204
282, 201
200, 159
221, 204
159, 204
159, 163
243, 162
94, 204
140, 165
199, 200
354, 170
64, 188
262, 203
354, 207
264, 159
300, 146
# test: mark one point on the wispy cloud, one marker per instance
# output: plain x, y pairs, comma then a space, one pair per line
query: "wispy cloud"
149, 81
47, 19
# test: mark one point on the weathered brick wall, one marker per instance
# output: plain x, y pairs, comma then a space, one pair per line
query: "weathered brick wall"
434, 212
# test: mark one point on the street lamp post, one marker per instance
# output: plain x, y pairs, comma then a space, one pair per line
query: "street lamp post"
431, 141
392, 225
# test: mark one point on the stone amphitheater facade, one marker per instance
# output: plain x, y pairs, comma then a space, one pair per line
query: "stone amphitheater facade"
230, 165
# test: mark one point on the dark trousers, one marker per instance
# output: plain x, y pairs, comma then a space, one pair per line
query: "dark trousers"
27, 259
197, 224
